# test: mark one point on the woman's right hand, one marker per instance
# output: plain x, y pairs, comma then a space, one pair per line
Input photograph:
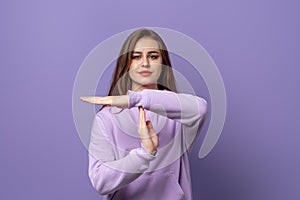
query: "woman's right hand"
146, 132
119, 101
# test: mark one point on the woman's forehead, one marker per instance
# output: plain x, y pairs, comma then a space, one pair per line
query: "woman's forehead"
146, 44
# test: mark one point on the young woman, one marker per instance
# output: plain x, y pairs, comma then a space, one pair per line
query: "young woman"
141, 136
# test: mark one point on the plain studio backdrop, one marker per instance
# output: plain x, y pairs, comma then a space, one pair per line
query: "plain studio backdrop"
255, 45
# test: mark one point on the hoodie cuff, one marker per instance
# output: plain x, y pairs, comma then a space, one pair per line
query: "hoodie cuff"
153, 154
136, 99
144, 154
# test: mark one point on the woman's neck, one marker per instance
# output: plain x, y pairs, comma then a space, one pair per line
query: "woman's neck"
138, 88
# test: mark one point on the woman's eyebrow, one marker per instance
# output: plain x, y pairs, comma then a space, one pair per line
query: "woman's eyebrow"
153, 52
139, 52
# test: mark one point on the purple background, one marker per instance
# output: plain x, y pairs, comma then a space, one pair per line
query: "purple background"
255, 45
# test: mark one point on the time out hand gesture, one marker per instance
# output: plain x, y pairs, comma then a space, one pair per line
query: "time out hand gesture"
146, 132
119, 101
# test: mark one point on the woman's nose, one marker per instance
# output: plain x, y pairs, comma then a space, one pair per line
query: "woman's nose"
145, 61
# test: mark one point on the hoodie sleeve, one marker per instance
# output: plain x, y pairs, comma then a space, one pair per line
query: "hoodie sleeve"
187, 109
105, 172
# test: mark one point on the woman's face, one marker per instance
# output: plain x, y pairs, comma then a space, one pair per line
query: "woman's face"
146, 64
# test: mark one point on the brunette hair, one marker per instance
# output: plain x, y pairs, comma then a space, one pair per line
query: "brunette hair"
121, 81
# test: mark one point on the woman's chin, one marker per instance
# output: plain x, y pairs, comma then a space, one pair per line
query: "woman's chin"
144, 85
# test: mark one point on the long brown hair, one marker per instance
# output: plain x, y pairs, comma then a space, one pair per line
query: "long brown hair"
121, 81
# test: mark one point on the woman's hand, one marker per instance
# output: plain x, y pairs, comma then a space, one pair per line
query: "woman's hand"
146, 132
119, 101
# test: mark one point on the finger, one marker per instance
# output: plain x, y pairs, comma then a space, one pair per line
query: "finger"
83, 99
142, 119
149, 124
154, 140
87, 99
95, 100
143, 130
152, 133
150, 129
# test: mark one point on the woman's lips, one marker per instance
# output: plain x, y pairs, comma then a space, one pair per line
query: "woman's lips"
145, 73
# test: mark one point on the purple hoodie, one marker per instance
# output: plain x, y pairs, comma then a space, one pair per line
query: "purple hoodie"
120, 168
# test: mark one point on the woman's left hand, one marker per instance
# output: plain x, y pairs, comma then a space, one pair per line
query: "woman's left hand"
119, 101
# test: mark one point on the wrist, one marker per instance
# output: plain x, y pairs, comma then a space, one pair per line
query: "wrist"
152, 151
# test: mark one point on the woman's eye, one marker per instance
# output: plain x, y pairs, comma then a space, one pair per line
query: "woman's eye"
154, 57
136, 57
